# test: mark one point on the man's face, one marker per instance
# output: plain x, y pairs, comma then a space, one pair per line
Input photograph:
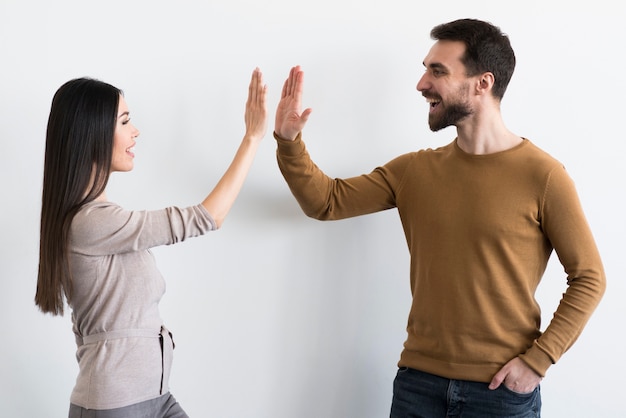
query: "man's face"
445, 85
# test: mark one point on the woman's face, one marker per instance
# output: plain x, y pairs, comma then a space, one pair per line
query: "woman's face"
123, 139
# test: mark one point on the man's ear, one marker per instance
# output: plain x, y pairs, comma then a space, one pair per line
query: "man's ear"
485, 83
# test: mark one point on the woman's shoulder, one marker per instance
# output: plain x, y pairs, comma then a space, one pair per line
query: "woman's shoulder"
97, 215
97, 208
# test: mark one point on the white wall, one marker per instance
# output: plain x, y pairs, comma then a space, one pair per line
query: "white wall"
277, 315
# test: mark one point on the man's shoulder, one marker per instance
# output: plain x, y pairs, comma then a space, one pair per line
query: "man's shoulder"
434, 152
539, 155
422, 154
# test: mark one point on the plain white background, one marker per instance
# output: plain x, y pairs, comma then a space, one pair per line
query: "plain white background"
277, 315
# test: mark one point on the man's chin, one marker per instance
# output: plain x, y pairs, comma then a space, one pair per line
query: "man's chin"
437, 125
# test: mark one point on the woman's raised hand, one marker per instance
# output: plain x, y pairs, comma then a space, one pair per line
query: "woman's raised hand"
256, 107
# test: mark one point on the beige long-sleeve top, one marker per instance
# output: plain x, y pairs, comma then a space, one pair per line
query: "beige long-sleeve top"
116, 291
480, 230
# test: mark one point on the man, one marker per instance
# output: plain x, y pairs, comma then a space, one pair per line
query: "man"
481, 216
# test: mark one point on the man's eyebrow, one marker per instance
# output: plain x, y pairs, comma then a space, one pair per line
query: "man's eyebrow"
435, 65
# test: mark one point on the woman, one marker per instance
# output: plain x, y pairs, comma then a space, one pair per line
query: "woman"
96, 255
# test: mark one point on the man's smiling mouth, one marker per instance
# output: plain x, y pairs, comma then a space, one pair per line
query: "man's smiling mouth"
433, 102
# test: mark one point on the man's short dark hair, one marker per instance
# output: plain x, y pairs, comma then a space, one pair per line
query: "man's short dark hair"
487, 49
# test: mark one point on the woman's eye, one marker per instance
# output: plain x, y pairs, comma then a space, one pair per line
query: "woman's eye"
126, 121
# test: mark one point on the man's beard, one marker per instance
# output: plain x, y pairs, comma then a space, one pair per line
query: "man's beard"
449, 116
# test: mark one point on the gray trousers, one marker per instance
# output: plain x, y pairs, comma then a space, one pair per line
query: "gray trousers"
162, 407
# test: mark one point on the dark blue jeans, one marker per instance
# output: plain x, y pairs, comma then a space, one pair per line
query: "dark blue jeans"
421, 395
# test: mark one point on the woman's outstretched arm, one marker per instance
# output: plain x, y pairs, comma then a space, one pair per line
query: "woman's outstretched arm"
222, 197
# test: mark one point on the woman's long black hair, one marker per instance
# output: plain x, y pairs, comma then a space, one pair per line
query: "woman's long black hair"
79, 146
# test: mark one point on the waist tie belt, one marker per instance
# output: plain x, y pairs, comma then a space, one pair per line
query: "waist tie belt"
117, 334
166, 343
167, 354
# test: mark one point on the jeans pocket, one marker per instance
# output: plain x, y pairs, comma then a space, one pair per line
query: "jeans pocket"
520, 404
516, 393
402, 370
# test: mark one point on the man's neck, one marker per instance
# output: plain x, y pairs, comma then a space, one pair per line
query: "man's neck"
486, 135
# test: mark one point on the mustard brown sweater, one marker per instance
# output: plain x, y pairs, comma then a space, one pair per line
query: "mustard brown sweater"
480, 230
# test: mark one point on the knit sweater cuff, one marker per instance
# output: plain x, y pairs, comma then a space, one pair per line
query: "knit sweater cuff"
537, 359
290, 148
